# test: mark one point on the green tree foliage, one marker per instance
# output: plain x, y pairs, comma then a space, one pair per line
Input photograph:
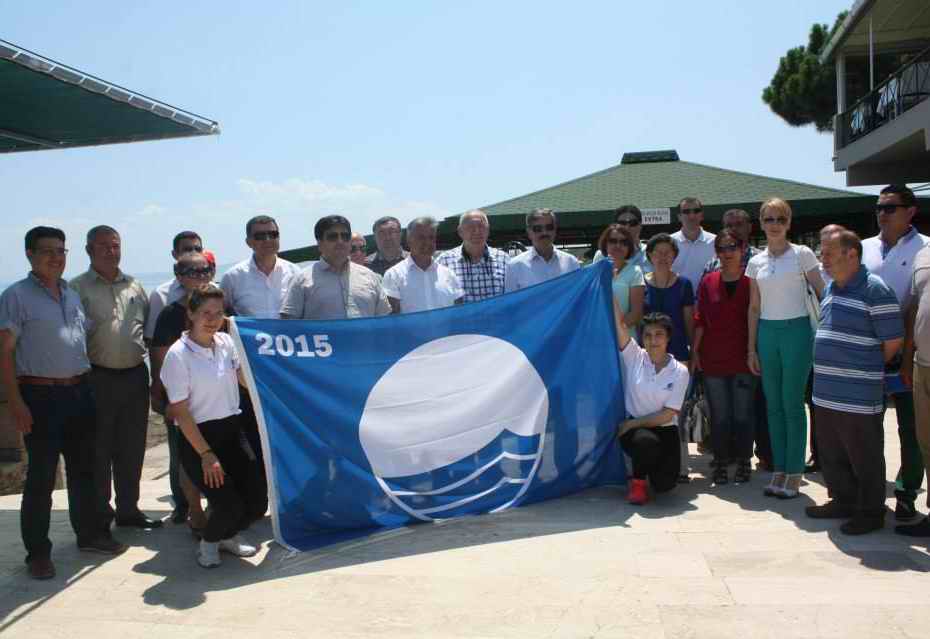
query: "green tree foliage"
803, 91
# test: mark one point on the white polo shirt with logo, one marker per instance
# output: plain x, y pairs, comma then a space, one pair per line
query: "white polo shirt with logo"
644, 390
205, 377
896, 266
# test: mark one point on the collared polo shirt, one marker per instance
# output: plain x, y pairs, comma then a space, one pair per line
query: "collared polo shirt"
920, 295
646, 391
422, 290
693, 255
849, 363
50, 333
164, 294
531, 268
117, 312
894, 264
380, 264
251, 293
205, 377
481, 279
321, 293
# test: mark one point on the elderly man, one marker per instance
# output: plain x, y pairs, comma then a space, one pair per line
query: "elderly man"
256, 286
479, 267
420, 283
334, 287
171, 291
43, 369
117, 307
860, 329
695, 245
357, 249
387, 237
543, 261
890, 255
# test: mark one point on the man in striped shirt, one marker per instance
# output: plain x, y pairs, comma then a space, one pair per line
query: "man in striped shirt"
860, 329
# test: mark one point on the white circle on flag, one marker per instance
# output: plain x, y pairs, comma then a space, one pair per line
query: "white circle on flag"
448, 399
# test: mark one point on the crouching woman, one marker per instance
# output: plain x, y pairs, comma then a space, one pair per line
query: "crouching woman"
654, 387
200, 374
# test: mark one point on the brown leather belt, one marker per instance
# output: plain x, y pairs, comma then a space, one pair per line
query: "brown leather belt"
52, 381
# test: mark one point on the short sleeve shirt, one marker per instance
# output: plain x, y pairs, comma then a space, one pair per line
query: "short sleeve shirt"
164, 294
646, 391
531, 268
920, 295
117, 312
170, 325
321, 293
205, 377
251, 293
422, 290
628, 277
781, 287
50, 334
481, 279
894, 264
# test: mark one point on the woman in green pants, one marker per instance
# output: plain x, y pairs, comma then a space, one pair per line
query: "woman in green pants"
781, 340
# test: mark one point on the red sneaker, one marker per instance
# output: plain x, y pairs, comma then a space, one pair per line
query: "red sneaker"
638, 493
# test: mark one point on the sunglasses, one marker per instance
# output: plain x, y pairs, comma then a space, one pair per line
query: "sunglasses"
887, 209
728, 248
628, 222
692, 211
261, 236
357, 248
332, 236
201, 272
775, 220
539, 228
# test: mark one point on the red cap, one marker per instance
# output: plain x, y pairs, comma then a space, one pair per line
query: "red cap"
211, 258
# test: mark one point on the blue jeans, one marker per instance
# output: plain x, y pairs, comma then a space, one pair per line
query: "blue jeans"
731, 401
63, 423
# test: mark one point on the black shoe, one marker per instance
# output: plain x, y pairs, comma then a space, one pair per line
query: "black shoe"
811, 468
862, 525
104, 544
720, 476
920, 529
138, 520
830, 510
905, 510
743, 472
179, 515
684, 479
41, 568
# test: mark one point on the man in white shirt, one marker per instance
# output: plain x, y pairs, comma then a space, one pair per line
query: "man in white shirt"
171, 291
890, 255
420, 283
695, 245
256, 287
631, 219
543, 261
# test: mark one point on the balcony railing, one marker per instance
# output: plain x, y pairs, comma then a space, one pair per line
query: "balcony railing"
904, 89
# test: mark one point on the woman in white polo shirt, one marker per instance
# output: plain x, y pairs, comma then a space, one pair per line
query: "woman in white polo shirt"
781, 341
654, 386
200, 374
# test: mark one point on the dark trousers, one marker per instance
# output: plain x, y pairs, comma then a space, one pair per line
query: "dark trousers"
731, 400
174, 465
63, 423
122, 398
235, 504
852, 459
761, 434
911, 472
655, 454
809, 398
249, 425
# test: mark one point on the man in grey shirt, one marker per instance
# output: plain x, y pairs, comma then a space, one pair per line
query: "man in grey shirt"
334, 287
43, 369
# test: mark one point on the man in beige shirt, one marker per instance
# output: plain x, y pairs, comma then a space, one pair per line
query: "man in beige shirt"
334, 287
117, 308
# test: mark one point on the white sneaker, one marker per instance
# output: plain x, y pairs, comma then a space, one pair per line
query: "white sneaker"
237, 546
209, 554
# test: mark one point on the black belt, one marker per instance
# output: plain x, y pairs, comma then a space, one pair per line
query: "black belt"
116, 370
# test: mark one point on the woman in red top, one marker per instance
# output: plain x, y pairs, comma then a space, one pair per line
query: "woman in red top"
720, 338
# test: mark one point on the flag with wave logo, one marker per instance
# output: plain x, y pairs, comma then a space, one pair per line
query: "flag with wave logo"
381, 422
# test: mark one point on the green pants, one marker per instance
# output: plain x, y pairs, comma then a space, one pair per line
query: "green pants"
911, 474
785, 353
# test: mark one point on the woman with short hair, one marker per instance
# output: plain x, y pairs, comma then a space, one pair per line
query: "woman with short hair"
780, 340
628, 287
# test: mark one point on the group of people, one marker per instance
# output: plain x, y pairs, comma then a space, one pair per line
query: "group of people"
72, 355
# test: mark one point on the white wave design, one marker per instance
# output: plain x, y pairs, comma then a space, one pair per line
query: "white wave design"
466, 500
461, 482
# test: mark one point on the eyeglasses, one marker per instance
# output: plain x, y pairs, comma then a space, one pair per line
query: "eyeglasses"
692, 211
775, 220
631, 221
261, 236
357, 248
728, 248
887, 209
333, 236
539, 228
52, 252
199, 273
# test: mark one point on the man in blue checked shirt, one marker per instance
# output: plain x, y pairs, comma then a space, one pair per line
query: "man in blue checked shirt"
479, 267
860, 330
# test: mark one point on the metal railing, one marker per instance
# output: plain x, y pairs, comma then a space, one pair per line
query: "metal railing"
902, 90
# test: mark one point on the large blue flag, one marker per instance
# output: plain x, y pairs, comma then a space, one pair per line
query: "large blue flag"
380, 422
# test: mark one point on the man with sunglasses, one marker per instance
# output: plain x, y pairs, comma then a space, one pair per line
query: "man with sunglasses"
256, 287
890, 255
358, 249
695, 245
171, 291
631, 218
543, 261
738, 222
334, 287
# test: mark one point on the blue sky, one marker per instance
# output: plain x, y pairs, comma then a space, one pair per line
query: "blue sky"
408, 108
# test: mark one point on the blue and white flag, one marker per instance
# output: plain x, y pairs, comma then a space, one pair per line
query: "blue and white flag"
379, 422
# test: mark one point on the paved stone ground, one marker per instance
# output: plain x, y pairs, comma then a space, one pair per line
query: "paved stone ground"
704, 562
